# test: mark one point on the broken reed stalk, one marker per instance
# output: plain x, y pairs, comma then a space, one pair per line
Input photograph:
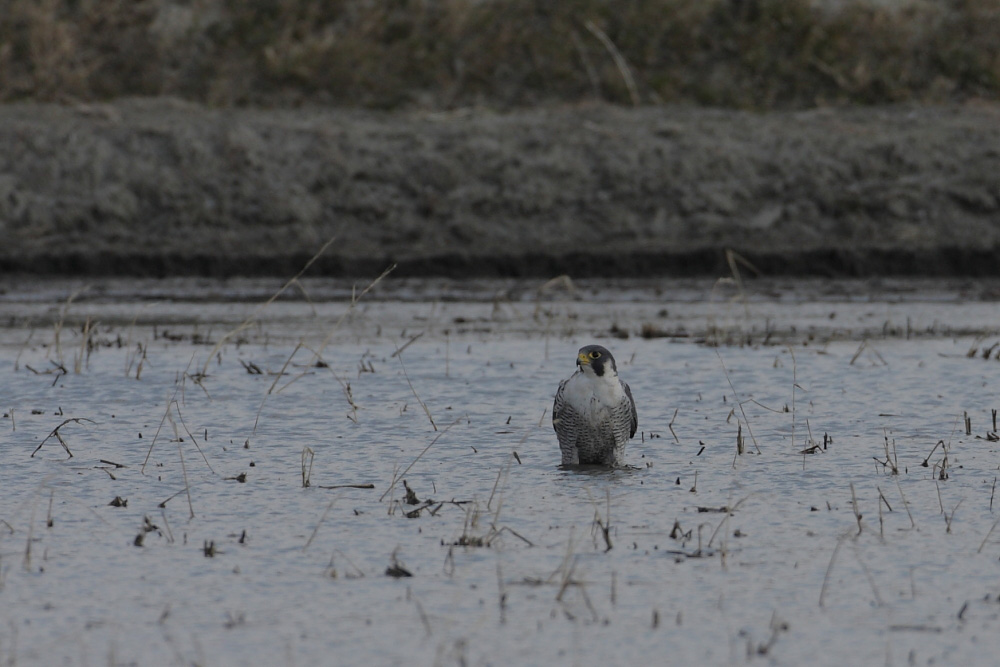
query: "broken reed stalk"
501, 595
606, 528
739, 447
881, 524
738, 401
422, 404
940, 443
62, 319
883, 499
413, 339
307, 453
795, 382
854, 504
396, 478
253, 316
599, 525
893, 461
55, 434
82, 354
31, 530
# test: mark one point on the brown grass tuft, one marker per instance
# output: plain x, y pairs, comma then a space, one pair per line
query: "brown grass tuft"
502, 53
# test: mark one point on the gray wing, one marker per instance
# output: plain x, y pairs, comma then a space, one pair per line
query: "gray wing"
562, 414
566, 424
635, 417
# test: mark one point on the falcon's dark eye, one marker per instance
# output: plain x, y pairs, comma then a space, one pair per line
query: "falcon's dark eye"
595, 355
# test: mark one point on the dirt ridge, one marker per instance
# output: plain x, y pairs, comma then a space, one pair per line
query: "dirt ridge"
162, 187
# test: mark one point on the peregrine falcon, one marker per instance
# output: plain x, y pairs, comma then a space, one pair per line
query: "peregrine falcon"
594, 414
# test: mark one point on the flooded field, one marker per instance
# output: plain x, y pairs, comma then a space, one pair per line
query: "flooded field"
195, 475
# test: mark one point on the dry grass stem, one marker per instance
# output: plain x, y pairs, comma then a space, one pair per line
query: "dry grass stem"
948, 518
172, 400
83, 353
868, 575
829, 569
906, 505
27, 341
319, 523
738, 402
619, 59
253, 316
62, 319
422, 404
194, 440
399, 350
187, 486
734, 259
396, 478
986, 539
31, 530
270, 389
355, 298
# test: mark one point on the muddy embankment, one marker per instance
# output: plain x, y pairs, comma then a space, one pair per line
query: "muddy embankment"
160, 187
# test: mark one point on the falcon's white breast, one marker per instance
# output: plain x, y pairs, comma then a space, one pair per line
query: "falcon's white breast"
594, 414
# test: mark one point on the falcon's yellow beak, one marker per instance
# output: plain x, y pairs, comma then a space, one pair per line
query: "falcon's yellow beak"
582, 359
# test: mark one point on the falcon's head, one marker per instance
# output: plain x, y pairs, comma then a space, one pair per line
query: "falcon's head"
595, 360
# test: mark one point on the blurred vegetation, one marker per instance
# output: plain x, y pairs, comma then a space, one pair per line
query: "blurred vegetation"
756, 54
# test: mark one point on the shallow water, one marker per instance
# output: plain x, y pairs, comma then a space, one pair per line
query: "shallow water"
298, 575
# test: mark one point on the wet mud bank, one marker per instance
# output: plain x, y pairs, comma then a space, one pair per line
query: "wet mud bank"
157, 187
